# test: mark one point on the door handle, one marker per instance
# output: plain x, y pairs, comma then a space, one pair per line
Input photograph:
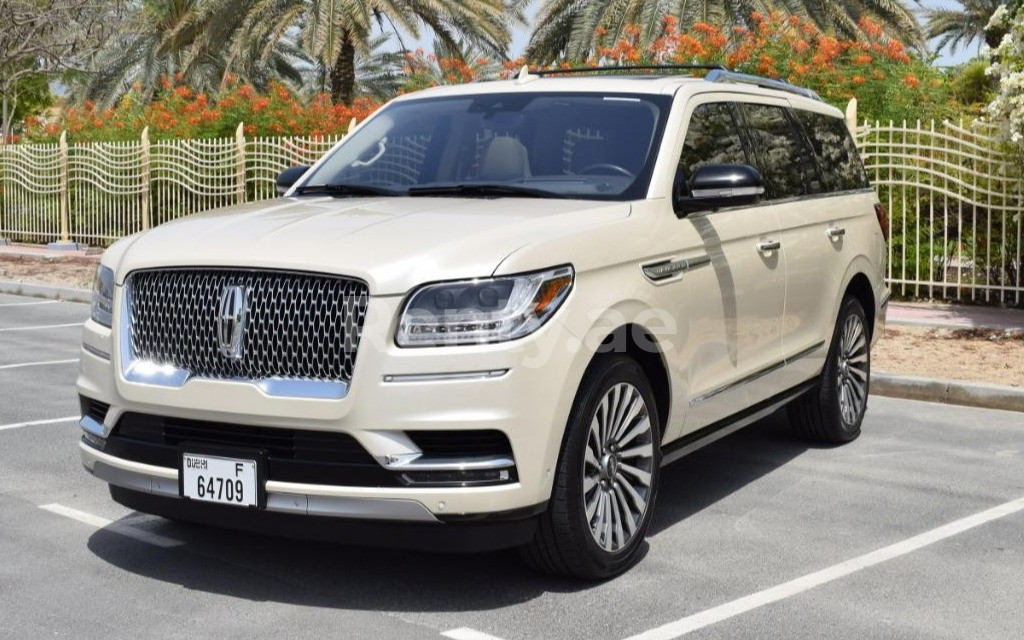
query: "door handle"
769, 246
835, 232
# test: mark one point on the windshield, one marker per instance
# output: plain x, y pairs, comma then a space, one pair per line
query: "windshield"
571, 145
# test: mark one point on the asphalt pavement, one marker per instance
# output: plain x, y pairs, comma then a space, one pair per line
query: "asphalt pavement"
915, 530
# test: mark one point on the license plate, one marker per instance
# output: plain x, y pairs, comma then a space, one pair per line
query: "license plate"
216, 479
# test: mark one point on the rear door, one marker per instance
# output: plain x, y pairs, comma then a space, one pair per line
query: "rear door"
820, 232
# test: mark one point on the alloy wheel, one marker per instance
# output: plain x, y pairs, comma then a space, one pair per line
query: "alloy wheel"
618, 467
853, 370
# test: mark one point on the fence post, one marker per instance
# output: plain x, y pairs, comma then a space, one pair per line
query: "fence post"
851, 116
65, 217
240, 169
145, 179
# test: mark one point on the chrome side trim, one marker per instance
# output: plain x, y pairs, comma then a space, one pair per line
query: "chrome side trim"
718, 434
103, 355
281, 501
440, 377
93, 427
757, 374
663, 270
419, 462
806, 352
164, 375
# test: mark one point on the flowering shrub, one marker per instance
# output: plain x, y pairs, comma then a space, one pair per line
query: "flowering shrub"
888, 83
179, 112
423, 70
1007, 108
875, 69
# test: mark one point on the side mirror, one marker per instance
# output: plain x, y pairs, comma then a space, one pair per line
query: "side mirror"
714, 186
288, 177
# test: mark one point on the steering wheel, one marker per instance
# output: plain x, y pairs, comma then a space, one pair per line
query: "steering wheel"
607, 165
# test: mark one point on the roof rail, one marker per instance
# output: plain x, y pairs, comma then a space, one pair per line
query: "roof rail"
724, 75
635, 67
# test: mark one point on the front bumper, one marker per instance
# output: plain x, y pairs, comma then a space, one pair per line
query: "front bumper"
502, 387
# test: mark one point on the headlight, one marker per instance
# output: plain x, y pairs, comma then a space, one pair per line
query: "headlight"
484, 310
103, 296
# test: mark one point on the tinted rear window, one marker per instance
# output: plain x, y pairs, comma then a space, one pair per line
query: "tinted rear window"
783, 158
837, 154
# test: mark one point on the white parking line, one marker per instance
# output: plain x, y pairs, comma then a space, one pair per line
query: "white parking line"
115, 527
18, 425
35, 364
26, 304
465, 633
805, 583
40, 328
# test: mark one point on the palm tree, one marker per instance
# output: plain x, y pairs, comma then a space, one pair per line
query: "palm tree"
956, 28
572, 28
168, 38
333, 32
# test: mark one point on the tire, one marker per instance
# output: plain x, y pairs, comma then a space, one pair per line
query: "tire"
607, 476
832, 411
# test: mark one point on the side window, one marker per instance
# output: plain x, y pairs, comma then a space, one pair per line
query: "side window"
836, 151
785, 162
712, 137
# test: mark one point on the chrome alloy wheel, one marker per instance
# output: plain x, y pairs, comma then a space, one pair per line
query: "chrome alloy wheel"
853, 370
618, 466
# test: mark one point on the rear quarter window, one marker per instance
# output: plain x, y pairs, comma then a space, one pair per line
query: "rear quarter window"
836, 152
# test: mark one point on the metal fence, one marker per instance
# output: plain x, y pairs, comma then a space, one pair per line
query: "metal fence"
95, 193
954, 196
955, 204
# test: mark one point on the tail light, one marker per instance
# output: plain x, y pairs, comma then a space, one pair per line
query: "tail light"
883, 219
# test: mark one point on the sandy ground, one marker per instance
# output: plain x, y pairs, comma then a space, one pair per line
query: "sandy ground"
979, 356
956, 354
73, 273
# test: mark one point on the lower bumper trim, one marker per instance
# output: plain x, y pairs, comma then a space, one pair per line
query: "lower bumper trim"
399, 510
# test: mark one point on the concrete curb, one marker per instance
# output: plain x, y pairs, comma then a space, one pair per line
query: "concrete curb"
44, 291
970, 394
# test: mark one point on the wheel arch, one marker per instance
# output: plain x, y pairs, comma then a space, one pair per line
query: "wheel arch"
860, 288
635, 341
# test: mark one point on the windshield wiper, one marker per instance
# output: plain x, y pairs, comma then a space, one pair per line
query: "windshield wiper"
482, 190
344, 189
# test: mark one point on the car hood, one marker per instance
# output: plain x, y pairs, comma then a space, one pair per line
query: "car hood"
394, 244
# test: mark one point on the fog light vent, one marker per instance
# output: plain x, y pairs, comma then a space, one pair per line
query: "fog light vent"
94, 409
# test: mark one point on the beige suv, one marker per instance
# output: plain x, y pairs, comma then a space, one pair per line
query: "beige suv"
490, 315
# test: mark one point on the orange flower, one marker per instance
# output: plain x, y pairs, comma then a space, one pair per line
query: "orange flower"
911, 81
870, 28
858, 80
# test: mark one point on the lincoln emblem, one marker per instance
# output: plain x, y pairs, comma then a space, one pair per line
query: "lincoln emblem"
232, 318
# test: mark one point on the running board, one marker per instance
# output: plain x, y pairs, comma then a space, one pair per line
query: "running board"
703, 437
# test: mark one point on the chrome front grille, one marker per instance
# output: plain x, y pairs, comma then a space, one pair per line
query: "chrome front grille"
300, 326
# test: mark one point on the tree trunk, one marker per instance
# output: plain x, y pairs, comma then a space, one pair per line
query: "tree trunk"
343, 73
3, 120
